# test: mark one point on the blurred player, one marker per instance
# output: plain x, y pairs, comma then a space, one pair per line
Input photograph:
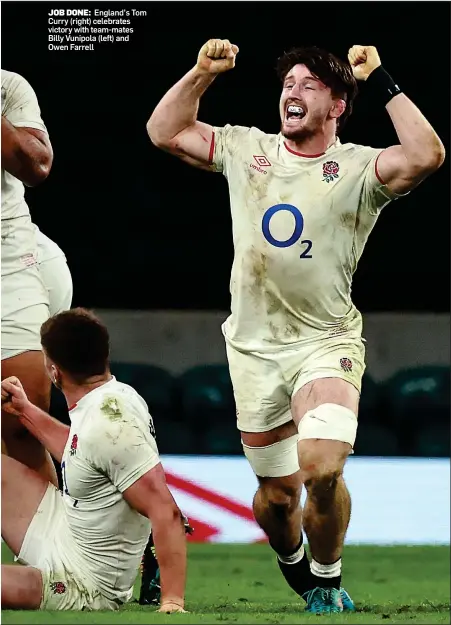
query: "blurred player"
54, 272
303, 206
82, 547
26, 159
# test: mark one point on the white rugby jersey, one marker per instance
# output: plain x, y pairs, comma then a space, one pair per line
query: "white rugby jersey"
300, 224
110, 446
20, 107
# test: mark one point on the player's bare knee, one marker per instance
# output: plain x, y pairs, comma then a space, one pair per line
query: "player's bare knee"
21, 588
321, 481
322, 464
281, 497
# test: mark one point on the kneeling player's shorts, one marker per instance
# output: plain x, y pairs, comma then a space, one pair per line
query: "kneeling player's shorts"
264, 383
25, 307
49, 547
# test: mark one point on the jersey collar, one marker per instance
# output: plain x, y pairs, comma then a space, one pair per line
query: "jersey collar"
81, 402
334, 145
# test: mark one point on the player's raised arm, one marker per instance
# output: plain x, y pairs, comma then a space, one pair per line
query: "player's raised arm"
26, 150
173, 125
421, 152
151, 497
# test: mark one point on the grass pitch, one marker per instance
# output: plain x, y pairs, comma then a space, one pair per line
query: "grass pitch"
242, 584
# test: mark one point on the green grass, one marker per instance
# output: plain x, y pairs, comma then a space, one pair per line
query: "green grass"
242, 584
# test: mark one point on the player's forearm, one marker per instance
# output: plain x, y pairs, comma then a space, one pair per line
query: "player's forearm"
170, 546
50, 432
23, 155
421, 145
177, 110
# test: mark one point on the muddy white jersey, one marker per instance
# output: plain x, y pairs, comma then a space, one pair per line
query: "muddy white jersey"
110, 446
300, 224
20, 107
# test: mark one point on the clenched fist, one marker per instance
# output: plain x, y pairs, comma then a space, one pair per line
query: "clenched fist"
14, 398
363, 60
217, 56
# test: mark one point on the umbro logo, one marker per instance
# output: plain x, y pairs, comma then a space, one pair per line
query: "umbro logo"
261, 161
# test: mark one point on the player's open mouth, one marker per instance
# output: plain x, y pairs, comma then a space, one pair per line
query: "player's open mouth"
294, 112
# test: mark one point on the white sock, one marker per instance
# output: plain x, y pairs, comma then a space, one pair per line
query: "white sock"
294, 558
326, 570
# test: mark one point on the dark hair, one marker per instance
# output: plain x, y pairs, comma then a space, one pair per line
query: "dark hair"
77, 342
332, 71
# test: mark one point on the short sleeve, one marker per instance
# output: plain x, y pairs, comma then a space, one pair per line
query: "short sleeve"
121, 444
227, 143
376, 195
19, 102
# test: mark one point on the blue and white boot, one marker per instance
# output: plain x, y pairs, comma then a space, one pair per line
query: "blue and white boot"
348, 603
323, 601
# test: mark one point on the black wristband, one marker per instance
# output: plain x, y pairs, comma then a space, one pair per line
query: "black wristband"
380, 84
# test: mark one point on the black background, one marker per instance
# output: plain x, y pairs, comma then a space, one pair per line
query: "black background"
143, 230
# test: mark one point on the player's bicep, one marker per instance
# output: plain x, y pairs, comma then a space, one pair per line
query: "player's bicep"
194, 145
150, 495
396, 173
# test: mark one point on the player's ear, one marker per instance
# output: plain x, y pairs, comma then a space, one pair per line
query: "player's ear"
338, 108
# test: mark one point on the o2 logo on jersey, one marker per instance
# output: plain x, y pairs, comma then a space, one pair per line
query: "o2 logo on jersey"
298, 228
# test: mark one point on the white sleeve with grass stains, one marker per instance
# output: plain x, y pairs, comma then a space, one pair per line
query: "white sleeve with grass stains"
127, 450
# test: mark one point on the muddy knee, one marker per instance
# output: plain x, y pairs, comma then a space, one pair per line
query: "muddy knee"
280, 499
321, 482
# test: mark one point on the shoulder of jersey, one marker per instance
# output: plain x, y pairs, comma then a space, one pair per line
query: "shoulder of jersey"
354, 150
11, 77
264, 140
353, 147
253, 131
125, 393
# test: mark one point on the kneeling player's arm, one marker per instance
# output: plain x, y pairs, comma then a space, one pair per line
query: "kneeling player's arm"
151, 497
50, 432
26, 153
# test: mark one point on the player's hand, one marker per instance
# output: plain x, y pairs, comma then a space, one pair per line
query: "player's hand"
363, 60
14, 398
171, 608
217, 56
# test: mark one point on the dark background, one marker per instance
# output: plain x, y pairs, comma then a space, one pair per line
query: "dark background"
143, 230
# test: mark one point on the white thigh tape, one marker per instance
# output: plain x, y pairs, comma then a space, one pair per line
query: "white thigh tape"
331, 422
277, 460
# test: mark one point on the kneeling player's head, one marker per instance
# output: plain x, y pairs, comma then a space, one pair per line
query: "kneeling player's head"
318, 90
76, 346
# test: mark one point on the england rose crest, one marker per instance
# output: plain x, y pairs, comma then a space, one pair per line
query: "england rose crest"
330, 171
58, 588
74, 445
346, 364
